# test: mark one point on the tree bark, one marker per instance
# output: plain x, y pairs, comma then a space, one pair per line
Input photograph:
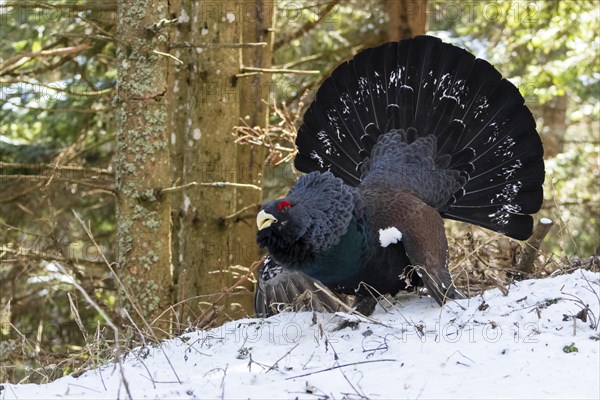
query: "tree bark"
407, 18
209, 154
143, 164
178, 100
216, 224
258, 26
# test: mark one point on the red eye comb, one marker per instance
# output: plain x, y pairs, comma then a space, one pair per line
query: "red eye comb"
283, 206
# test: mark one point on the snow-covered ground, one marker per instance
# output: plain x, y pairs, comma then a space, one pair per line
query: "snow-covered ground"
525, 345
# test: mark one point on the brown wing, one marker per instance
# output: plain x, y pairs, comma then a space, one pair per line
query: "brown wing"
424, 239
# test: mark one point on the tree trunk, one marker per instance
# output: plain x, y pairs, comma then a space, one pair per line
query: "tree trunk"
258, 26
143, 165
178, 100
407, 18
209, 154
216, 228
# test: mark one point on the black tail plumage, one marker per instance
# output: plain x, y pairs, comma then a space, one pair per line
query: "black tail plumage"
482, 126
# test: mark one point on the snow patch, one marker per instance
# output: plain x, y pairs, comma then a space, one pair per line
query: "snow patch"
204, 31
197, 134
389, 236
523, 345
230, 17
173, 138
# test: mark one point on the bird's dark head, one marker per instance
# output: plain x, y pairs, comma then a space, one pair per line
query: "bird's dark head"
311, 218
283, 221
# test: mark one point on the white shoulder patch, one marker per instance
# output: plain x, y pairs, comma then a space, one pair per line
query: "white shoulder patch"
389, 236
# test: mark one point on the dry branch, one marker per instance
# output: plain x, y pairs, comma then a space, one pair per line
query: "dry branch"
280, 71
106, 5
186, 45
70, 168
35, 84
39, 255
340, 366
88, 299
210, 184
201, 321
20, 59
306, 27
532, 246
94, 185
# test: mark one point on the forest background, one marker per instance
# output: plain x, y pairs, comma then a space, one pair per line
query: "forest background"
139, 138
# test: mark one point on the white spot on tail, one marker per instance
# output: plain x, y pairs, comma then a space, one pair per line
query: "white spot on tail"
389, 236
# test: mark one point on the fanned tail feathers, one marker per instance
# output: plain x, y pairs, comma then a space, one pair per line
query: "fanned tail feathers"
422, 86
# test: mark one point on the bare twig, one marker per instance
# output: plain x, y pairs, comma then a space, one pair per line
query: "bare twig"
238, 213
186, 45
281, 358
114, 328
83, 36
106, 5
211, 184
223, 382
39, 255
280, 71
179, 188
22, 58
230, 184
225, 292
128, 295
347, 308
340, 366
106, 188
307, 26
35, 84
132, 322
361, 395
160, 53
282, 131
70, 168
303, 60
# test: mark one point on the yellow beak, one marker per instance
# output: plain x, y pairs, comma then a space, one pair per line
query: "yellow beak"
264, 220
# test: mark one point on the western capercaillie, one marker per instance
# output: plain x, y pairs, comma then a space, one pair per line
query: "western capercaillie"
398, 138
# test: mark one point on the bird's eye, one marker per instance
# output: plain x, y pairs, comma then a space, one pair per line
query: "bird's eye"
283, 206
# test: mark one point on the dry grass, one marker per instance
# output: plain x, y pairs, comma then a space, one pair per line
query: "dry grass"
479, 261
